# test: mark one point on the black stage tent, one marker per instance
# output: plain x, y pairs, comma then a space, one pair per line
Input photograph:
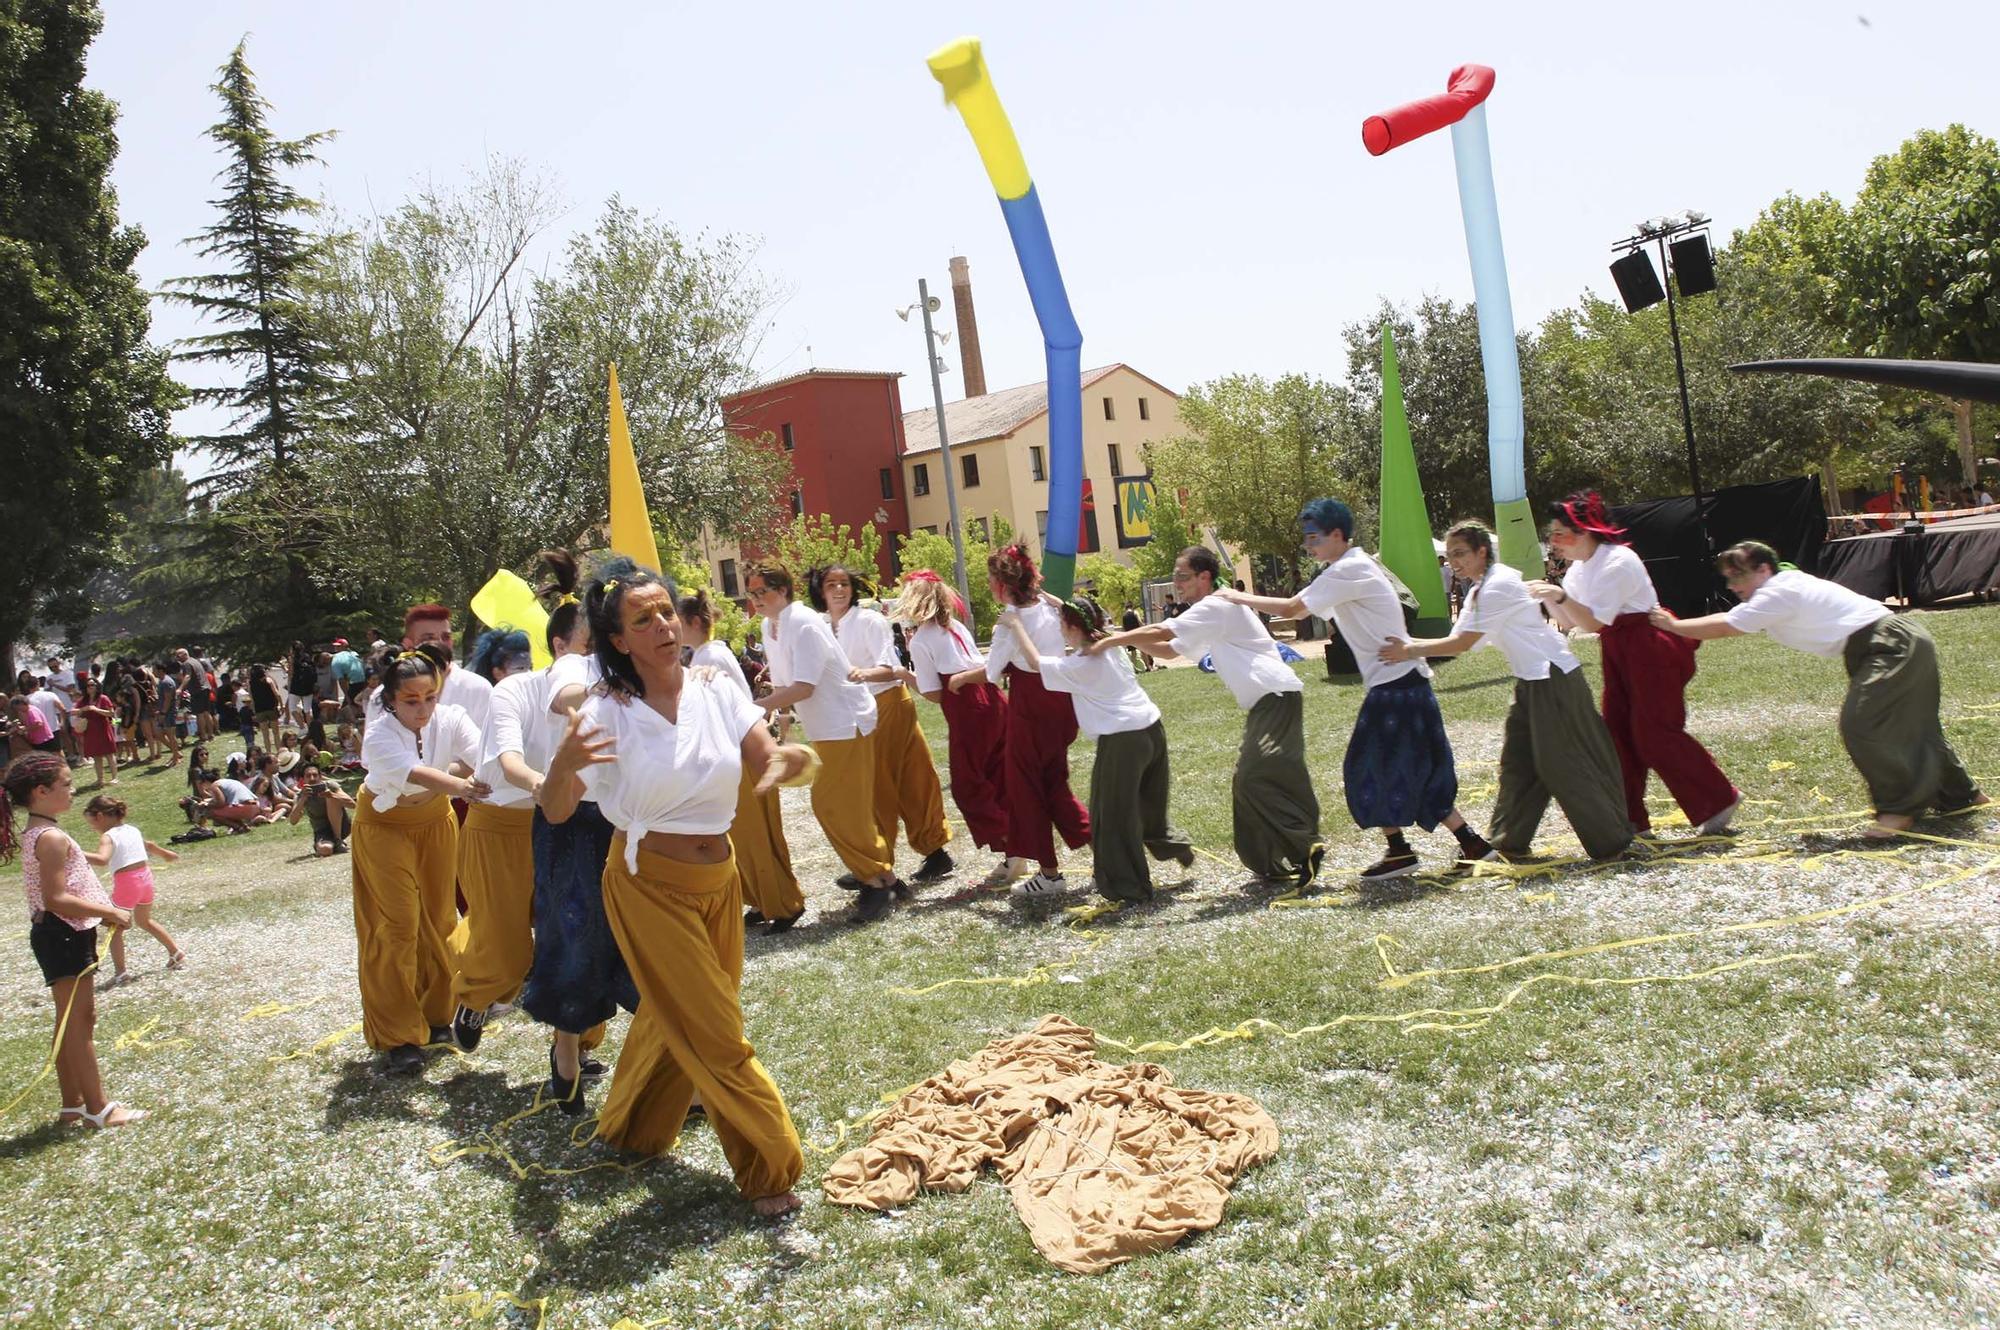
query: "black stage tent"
1787, 515
1936, 560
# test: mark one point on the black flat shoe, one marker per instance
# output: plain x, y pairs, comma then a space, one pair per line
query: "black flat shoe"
875, 903
1308, 870
752, 917
783, 925
467, 1026
441, 1037
1184, 856
847, 882
937, 864
591, 1069
567, 1094
405, 1060
902, 890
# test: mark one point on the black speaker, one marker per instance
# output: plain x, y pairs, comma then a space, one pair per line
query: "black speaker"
1694, 266
1638, 285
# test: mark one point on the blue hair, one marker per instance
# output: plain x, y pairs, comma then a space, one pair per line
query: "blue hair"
496, 646
1326, 515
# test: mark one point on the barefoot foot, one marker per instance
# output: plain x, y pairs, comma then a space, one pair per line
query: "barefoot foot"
770, 1207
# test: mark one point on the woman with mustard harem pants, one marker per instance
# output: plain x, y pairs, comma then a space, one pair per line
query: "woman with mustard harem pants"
420, 754
660, 751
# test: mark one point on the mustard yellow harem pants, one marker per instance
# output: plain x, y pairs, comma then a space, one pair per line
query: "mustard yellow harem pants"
494, 944
763, 859
680, 930
843, 799
405, 861
906, 780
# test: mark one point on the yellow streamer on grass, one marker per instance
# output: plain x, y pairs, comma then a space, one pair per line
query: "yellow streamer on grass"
136, 1039
320, 1047
62, 1025
266, 1010
487, 1306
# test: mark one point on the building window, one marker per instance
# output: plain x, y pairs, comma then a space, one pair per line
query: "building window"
888, 483
798, 503
969, 468
729, 578
786, 432
932, 531
1107, 410
975, 529
1144, 414
1036, 471
920, 480
1116, 469
1042, 531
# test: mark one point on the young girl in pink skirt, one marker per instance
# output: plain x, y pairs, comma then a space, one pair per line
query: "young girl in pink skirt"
125, 851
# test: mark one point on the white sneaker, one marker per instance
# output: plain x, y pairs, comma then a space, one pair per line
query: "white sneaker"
499, 1009
1004, 873
1716, 825
1041, 884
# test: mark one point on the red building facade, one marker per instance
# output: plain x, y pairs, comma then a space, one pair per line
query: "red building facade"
842, 431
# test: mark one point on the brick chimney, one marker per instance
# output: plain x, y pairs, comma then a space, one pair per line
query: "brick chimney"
969, 364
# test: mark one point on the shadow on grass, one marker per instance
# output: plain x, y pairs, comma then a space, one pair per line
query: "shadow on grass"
36, 1139
1471, 684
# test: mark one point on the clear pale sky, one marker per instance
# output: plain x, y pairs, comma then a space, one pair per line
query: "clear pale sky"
1201, 164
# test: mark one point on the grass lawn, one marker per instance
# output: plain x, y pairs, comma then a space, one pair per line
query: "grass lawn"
1632, 1136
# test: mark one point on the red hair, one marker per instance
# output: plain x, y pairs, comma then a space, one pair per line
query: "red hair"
1014, 569
430, 609
1584, 511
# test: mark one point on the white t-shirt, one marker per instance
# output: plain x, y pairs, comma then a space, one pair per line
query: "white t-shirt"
1611, 582
1245, 657
235, 792
1806, 613
51, 706
801, 649
1107, 697
390, 751
128, 847
514, 725
64, 682
1357, 595
468, 692
867, 640
718, 657
1044, 624
670, 776
938, 651
1500, 607
576, 670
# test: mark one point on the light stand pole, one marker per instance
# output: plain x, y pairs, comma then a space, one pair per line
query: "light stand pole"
927, 304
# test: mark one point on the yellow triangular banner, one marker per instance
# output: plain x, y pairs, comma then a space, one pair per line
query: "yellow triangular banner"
631, 526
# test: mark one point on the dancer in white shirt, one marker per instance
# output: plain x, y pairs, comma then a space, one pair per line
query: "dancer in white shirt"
948, 669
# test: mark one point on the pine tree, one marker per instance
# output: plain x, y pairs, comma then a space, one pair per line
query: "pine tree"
257, 296
85, 401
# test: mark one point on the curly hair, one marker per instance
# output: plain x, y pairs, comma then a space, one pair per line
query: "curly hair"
604, 607
1014, 573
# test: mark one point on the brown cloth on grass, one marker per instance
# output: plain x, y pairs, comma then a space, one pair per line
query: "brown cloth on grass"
1105, 1163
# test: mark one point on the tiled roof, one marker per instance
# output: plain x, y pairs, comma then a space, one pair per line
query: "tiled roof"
815, 374
986, 417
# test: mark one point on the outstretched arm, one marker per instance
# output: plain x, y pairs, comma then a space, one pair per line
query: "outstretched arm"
1703, 629
1421, 647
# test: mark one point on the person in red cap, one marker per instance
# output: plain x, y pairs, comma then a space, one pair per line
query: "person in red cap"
1646, 669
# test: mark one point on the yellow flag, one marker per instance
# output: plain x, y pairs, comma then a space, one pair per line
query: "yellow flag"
631, 526
508, 602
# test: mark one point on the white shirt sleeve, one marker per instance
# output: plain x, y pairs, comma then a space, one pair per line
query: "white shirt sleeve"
459, 740
603, 713
505, 731
923, 663
1769, 608
1062, 674
1195, 627
1005, 651
1329, 589
814, 654
388, 754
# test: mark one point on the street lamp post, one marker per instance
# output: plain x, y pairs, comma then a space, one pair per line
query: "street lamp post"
929, 304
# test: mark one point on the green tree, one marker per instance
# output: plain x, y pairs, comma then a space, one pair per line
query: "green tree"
258, 294
1115, 585
1254, 452
85, 400
928, 549
1172, 533
814, 541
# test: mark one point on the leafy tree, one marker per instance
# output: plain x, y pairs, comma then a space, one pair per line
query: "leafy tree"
258, 296
1172, 533
1115, 585
85, 401
1255, 451
813, 541
928, 549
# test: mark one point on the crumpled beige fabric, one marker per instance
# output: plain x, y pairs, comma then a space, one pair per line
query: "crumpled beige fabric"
1104, 1162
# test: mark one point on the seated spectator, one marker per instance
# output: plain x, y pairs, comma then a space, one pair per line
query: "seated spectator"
231, 803
327, 805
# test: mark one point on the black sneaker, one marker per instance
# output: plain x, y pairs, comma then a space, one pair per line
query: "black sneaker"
466, 1027
1477, 849
441, 1037
1184, 856
590, 1068
847, 882
938, 863
752, 918
783, 925
1310, 868
902, 890
405, 1060
875, 903
1390, 865
567, 1094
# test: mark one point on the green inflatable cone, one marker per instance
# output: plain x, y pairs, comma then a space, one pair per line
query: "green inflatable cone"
1406, 526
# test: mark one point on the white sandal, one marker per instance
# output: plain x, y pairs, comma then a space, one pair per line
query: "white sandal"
101, 1118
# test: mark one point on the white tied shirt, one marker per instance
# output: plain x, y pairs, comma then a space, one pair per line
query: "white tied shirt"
514, 725
390, 751
1357, 595
1611, 582
868, 641
1245, 657
674, 776
581, 671
801, 649
938, 651
1500, 607
1806, 613
1107, 697
1044, 624
128, 847
718, 657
